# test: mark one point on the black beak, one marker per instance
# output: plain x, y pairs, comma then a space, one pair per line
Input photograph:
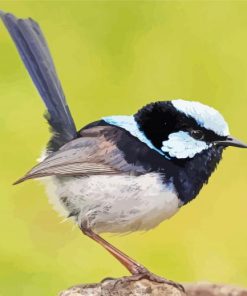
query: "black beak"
230, 141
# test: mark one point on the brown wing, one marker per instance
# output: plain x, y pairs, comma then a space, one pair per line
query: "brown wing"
93, 153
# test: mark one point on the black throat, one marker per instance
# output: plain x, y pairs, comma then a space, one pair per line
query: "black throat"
192, 174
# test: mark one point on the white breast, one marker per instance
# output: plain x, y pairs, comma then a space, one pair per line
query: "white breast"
115, 204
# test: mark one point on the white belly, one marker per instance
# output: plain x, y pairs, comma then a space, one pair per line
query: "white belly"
114, 204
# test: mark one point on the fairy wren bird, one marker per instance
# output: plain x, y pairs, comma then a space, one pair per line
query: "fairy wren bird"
121, 173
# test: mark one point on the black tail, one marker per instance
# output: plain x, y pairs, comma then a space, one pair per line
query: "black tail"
35, 54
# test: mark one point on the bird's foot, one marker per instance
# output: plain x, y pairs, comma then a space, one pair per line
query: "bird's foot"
158, 279
151, 277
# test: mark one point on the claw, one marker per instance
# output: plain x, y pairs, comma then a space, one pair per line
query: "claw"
107, 279
151, 277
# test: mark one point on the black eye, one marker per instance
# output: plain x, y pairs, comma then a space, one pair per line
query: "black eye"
197, 134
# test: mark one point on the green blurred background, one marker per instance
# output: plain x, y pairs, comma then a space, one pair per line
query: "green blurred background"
112, 58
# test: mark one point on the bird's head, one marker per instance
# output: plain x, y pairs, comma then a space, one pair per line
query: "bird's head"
182, 129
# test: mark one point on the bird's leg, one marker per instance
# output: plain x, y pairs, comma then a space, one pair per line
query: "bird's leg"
132, 266
137, 270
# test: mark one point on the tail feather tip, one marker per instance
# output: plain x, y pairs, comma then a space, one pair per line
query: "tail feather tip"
2, 13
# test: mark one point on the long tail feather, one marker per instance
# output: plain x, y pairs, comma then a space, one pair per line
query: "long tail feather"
36, 56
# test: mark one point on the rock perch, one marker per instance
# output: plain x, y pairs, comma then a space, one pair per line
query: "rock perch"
146, 288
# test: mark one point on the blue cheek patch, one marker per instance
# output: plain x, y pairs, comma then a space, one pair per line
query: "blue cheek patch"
182, 145
129, 124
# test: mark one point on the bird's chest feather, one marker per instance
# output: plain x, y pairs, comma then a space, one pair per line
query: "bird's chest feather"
115, 203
